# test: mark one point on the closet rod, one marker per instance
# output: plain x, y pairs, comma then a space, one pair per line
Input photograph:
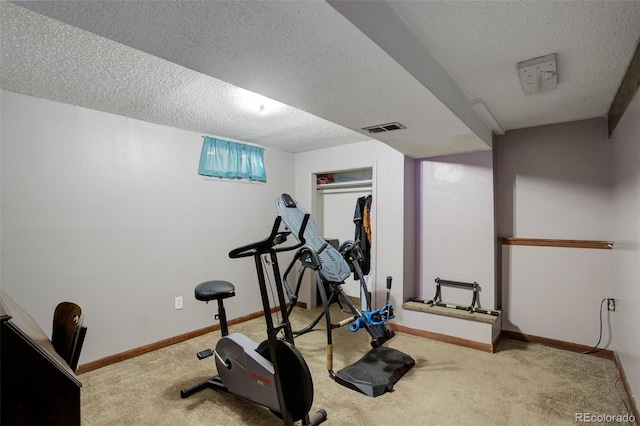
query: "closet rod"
347, 191
344, 185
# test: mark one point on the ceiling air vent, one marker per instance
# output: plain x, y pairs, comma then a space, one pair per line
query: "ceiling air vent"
538, 74
384, 127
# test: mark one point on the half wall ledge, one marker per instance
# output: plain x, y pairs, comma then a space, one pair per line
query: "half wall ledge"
472, 330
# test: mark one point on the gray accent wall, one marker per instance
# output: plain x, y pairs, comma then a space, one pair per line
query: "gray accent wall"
555, 182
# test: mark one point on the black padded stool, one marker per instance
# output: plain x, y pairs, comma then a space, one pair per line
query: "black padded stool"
216, 290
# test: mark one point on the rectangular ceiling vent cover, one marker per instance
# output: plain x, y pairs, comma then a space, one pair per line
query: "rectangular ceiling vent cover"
538, 75
384, 127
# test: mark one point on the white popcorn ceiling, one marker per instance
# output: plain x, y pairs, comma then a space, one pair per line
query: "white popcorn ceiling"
47, 59
330, 73
480, 43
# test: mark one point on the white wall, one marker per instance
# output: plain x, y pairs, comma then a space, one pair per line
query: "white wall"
401, 187
626, 234
110, 212
556, 293
456, 226
555, 182
387, 207
411, 202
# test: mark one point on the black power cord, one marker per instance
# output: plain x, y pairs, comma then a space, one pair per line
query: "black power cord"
618, 391
600, 337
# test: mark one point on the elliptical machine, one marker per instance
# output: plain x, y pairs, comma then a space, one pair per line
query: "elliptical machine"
273, 373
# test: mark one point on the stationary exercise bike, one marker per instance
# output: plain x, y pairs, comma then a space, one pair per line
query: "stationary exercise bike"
273, 373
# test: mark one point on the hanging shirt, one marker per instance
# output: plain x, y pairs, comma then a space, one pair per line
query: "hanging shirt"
361, 213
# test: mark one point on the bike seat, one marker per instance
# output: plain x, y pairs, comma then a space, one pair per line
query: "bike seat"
214, 290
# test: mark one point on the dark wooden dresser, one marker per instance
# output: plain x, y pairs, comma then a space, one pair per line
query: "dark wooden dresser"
38, 387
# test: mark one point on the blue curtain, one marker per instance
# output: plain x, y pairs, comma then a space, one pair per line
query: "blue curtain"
231, 160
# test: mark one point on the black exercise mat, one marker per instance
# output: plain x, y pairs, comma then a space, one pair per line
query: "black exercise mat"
376, 372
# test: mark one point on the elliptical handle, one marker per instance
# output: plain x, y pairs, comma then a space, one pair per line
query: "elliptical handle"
262, 246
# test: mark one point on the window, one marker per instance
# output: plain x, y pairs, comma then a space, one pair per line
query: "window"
232, 160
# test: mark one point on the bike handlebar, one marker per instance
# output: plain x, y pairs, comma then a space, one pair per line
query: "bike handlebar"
275, 238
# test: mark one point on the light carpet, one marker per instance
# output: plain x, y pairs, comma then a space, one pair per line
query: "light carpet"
520, 384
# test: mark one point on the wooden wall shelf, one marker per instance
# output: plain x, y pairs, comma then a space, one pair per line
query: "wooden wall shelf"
540, 242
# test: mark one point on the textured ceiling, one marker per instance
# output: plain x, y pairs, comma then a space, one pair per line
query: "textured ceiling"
594, 42
335, 67
44, 58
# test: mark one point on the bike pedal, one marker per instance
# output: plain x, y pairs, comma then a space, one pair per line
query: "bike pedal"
205, 354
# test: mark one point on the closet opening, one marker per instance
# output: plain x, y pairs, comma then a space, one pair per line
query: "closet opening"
337, 198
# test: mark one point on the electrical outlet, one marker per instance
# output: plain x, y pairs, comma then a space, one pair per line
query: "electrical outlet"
611, 305
178, 303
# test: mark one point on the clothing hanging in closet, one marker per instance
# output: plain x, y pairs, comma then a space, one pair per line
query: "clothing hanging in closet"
362, 220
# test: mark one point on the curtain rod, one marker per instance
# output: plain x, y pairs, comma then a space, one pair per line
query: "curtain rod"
246, 143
